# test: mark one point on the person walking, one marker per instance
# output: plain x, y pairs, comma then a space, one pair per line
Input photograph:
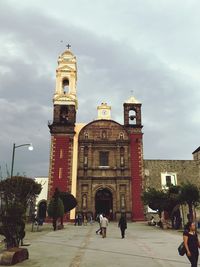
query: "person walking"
104, 224
122, 225
99, 218
191, 243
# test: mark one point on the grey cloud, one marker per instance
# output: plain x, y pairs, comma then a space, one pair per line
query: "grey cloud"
107, 71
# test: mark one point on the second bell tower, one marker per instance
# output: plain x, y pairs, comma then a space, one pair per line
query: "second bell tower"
63, 124
133, 124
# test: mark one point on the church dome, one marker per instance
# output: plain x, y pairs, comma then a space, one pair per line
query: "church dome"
67, 56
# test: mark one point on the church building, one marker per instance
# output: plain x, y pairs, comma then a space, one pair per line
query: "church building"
100, 163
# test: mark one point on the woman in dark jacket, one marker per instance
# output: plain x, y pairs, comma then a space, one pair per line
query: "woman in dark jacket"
191, 243
122, 225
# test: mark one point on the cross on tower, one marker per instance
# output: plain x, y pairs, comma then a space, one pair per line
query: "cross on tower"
131, 92
68, 46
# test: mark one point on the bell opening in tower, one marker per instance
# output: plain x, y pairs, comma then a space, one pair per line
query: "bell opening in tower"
132, 117
65, 85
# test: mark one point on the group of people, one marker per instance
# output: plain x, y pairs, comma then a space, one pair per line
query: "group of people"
103, 224
82, 219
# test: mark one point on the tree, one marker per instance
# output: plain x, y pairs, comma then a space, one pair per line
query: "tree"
155, 199
16, 194
69, 201
174, 206
190, 195
165, 200
55, 208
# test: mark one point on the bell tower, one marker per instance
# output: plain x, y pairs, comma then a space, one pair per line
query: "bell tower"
133, 124
62, 127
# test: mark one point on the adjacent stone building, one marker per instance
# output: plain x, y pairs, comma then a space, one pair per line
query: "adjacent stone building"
162, 173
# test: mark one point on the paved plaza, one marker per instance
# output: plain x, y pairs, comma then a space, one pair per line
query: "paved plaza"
76, 246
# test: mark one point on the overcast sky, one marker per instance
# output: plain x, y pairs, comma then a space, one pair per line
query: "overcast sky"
148, 46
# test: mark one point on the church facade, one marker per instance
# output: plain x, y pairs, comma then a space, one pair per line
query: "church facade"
100, 163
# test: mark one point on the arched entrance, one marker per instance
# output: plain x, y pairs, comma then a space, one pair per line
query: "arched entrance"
104, 202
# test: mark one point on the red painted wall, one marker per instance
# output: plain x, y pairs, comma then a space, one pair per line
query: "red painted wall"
136, 175
60, 142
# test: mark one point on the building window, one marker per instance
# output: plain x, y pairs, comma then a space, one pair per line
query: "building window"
122, 156
61, 153
85, 156
168, 179
60, 173
104, 158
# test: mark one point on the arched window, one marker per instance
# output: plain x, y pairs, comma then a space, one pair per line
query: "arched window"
122, 163
103, 158
65, 86
85, 156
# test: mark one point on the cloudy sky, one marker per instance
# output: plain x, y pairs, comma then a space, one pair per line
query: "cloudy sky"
148, 46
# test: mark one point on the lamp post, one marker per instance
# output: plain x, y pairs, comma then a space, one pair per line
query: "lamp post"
30, 147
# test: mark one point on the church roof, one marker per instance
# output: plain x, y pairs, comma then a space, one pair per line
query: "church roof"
132, 100
67, 52
108, 122
197, 150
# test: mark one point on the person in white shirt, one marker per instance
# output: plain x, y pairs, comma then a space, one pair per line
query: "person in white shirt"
99, 218
104, 224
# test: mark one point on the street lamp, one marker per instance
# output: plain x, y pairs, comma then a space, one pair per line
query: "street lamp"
30, 147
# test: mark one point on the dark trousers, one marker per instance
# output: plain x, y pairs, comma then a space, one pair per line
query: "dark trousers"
99, 230
122, 232
194, 260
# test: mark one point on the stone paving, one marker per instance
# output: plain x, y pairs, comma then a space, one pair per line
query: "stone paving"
79, 246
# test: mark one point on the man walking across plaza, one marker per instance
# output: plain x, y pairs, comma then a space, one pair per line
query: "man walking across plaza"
122, 225
104, 224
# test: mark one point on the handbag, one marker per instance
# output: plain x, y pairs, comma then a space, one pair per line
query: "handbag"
181, 249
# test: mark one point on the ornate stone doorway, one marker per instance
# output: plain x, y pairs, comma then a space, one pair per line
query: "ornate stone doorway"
104, 202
